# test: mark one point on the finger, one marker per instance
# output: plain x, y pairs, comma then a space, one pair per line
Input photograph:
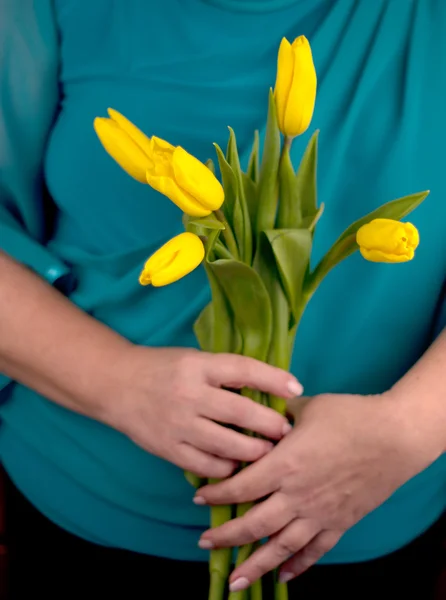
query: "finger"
234, 371
256, 481
309, 555
261, 521
204, 465
272, 554
234, 409
226, 443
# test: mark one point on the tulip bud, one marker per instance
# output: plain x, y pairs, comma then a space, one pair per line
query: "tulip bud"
176, 259
125, 143
387, 241
295, 89
183, 179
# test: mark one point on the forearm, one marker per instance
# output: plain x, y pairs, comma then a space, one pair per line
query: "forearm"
421, 394
50, 345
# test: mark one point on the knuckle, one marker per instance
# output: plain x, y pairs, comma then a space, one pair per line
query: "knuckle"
255, 530
285, 547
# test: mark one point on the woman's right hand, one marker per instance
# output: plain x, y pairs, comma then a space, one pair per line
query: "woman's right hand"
173, 403
170, 401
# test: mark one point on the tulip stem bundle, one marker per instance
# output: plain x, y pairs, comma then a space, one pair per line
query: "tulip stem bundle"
254, 233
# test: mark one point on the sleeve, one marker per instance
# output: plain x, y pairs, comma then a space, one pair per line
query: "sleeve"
28, 102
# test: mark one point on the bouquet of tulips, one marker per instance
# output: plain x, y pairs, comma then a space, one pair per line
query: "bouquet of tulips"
253, 231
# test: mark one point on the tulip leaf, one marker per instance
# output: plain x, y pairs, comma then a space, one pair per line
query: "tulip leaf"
204, 328
207, 223
253, 163
229, 185
250, 304
267, 192
306, 179
251, 196
292, 250
241, 222
210, 165
289, 214
311, 222
346, 243
215, 326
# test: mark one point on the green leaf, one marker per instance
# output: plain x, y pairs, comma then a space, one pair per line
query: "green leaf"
229, 185
289, 212
292, 250
311, 222
241, 220
204, 328
207, 223
253, 163
267, 194
346, 243
251, 197
210, 165
306, 179
250, 304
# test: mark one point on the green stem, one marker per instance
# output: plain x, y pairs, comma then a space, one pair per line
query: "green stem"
220, 558
256, 590
280, 590
228, 234
279, 354
221, 251
193, 479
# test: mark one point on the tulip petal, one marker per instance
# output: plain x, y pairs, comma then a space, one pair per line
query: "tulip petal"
176, 259
284, 78
387, 240
184, 201
131, 130
374, 255
122, 148
197, 180
302, 95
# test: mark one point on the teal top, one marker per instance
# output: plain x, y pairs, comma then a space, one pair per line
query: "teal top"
184, 70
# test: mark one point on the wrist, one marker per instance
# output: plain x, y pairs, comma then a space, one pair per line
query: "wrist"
418, 431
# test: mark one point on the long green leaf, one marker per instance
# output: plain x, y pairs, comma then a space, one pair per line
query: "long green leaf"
289, 214
250, 304
207, 223
229, 185
346, 243
242, 224
266, 213
210, 165
306, 179
292, 250
253, 163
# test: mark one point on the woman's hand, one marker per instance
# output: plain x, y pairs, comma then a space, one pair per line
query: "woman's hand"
169, 401
172, 403
345, 457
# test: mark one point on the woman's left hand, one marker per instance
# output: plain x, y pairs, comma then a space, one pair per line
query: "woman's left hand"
346, 455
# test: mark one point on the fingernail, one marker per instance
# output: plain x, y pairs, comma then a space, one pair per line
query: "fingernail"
239, 584
295, 387
199, 500
286, 428
205, 544
285, 577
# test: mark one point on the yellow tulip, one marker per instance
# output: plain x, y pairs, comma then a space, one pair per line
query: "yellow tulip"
388, 241
176, 259
295, 90
125, 143
183, 179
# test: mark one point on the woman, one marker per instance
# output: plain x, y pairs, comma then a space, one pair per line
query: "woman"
110, 403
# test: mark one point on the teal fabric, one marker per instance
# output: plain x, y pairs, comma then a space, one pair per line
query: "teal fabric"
184, 70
